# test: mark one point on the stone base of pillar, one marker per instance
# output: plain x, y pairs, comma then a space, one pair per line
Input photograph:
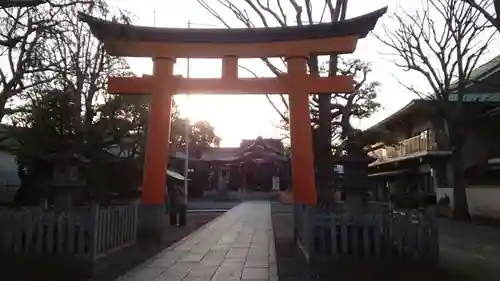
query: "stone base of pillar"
152, 222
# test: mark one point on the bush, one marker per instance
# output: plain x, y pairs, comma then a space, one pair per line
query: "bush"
408, 200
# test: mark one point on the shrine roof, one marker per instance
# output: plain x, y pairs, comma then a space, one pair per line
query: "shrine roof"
249, 149
108, 30
268, 143
224, 154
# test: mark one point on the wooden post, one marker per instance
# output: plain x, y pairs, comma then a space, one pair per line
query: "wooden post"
303, 181
153, 188
230, 67
93, 231
152, 211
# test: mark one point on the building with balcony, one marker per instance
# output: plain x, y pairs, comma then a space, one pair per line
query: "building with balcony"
420, 161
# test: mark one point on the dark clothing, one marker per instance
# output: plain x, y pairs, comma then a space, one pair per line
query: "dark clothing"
175, 196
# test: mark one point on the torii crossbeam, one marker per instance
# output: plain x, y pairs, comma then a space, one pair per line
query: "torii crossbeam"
165, 45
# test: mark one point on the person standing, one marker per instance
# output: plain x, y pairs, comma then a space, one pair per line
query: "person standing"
173, 200
182, 206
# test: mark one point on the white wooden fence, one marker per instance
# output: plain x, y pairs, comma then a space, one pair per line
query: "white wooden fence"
385, 234
87, 232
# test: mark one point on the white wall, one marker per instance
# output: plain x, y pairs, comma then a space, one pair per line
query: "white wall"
483, 201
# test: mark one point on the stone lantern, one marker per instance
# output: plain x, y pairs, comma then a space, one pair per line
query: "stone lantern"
355, 181
67, 179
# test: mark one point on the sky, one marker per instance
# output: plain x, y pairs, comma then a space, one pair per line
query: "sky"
237, 117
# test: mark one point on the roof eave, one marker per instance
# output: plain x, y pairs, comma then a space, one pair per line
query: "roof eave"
388, 119
107, 30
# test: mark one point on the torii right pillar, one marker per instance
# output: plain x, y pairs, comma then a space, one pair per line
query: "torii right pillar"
303, 175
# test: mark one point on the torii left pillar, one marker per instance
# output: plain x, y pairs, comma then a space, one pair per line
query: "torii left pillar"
152, 215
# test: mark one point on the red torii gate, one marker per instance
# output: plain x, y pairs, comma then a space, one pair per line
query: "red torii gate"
164, 45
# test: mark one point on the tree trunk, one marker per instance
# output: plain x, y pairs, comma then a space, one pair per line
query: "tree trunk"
88, 119
3, 103
460, 205
440, 133
496, 4
324, 148
322, 140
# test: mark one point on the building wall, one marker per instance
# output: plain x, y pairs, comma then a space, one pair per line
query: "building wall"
481, 143
9, 179
417, 128
476, 148
409, 129
482, 200
399, 136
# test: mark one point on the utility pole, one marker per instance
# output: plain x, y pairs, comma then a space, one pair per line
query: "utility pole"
183, 211
187, 134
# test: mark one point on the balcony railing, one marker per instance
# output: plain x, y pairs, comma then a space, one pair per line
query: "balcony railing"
418, 144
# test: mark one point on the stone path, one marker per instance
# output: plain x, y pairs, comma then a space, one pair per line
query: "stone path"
239, 245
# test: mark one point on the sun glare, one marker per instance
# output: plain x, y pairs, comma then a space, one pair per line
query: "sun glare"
234, 117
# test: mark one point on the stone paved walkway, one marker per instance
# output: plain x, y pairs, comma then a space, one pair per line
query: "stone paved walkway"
239, 245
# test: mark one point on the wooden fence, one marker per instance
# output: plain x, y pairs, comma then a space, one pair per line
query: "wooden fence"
384, 234
87, 232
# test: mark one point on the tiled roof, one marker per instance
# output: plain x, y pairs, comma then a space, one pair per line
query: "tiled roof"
478, 74
220, 154
248, 148
270, 143
484, 71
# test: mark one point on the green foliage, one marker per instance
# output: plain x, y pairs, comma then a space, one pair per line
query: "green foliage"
125, 119
201, 136
360, 104
407, 198
49, 124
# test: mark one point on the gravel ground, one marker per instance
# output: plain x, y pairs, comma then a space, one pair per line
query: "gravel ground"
288, 256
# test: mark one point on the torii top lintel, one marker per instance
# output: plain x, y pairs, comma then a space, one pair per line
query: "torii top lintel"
318, 39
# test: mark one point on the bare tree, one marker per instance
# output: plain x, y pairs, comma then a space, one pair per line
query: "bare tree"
81, 63
253, 13
442, 42
25, 32
490, 9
